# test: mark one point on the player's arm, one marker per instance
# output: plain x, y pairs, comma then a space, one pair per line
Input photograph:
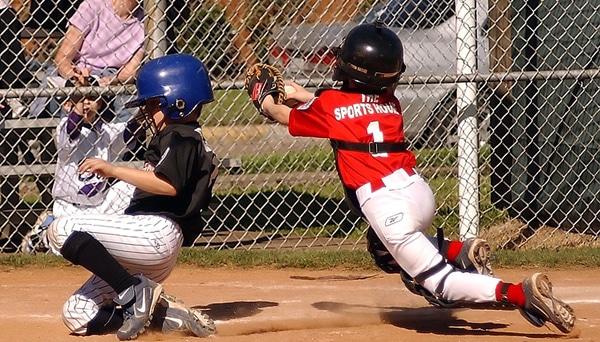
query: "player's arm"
281, 112
74, 124
278, 112
144, 180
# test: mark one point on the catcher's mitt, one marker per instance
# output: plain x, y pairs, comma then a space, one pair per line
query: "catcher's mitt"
263, 80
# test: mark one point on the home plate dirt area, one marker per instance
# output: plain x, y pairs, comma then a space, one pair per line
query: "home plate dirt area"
301, 305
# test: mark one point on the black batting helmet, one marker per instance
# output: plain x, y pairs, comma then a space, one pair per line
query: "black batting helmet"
371, 54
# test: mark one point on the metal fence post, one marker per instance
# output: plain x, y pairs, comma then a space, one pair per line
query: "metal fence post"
156, 27
468, 142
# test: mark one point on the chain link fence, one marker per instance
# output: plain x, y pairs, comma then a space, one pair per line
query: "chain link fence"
532, 67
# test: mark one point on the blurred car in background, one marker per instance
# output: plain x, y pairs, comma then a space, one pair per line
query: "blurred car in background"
427, 29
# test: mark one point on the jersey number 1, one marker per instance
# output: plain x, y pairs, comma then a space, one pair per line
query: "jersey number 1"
377, 134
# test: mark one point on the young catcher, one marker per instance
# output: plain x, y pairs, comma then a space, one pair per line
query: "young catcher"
82, 134
130, 254
363, 121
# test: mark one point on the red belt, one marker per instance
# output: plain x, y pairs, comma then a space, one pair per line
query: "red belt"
378, 183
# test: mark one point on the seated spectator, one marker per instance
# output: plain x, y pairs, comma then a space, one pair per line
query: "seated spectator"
104, 38
13, 73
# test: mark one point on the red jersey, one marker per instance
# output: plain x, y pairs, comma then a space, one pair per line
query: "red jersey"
358, 118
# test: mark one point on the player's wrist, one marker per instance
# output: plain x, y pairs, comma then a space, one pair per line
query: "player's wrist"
267, 103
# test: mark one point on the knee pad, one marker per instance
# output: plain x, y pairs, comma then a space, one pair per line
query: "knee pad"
383, 258
74, 244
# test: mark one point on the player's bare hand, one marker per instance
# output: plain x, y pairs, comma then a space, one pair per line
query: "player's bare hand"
299, 94
268, 102
97, 166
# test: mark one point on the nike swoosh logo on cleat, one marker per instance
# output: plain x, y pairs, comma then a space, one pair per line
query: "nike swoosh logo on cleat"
141, 308
123, 294
177, 321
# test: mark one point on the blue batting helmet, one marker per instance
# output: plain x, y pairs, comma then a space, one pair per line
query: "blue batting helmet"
180, 81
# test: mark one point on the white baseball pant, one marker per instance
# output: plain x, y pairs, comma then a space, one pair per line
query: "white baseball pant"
143, 244
399, 213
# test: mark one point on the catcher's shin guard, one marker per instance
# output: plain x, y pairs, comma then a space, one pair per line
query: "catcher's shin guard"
385, 261
383, 258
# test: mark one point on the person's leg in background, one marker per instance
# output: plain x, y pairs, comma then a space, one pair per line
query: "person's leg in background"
45, 107
13, 71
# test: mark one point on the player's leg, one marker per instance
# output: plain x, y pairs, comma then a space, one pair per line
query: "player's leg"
472, 255
78, 239
91, 310
147, 244
398, 217
136, 294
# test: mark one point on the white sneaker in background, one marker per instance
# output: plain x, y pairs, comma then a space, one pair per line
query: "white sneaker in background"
17, 108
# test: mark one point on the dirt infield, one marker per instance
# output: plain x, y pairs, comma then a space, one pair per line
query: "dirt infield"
299, 305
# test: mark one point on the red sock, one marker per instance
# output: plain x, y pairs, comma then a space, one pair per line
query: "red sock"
453, 250
514, 293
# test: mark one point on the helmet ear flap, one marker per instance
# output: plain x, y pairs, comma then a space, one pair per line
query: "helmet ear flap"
177, 108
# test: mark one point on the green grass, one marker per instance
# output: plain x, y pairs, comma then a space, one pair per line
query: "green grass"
431, 161
308, 160
231, 107
309, 259
323, 260
322, 159
548, 258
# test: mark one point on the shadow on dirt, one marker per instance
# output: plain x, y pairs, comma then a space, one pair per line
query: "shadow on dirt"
428, 320
234, 310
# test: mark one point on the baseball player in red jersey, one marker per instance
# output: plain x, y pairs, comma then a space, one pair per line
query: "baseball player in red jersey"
131, 254
363, 121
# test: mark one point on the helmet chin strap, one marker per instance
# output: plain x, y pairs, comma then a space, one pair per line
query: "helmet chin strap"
158, 126
149, 123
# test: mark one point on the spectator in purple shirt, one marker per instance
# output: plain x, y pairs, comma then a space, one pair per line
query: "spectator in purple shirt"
104, 38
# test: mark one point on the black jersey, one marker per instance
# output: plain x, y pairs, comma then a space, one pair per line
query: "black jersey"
179, 154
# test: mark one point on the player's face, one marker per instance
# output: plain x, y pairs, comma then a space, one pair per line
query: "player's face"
89, 107
154, 114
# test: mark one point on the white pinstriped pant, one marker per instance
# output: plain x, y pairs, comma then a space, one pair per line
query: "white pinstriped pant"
143, 244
